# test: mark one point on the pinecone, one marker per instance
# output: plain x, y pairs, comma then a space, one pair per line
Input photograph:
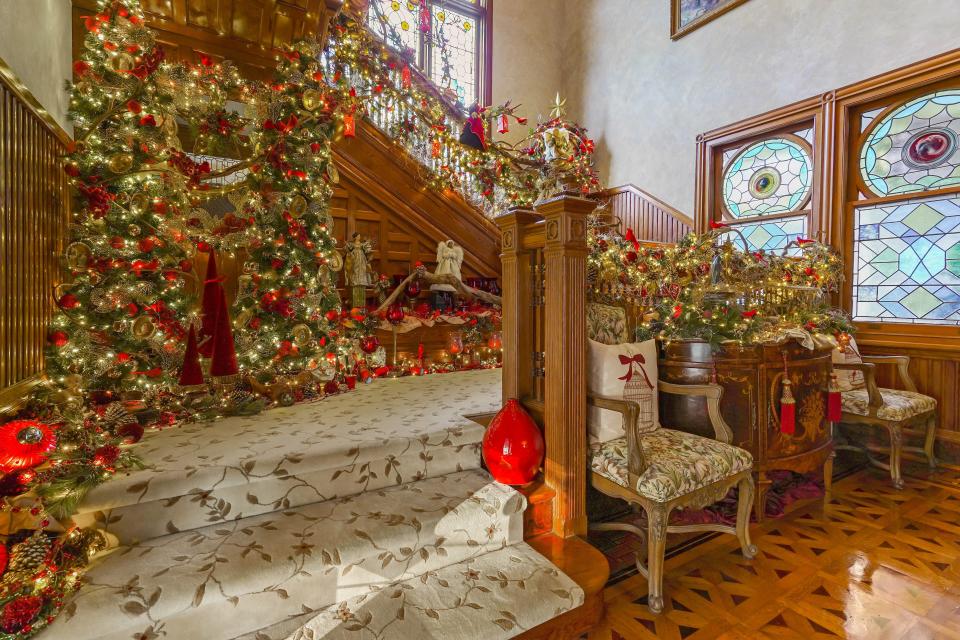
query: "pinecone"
115, 414
26, 557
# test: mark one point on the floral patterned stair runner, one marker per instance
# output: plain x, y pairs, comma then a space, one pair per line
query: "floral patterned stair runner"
230, 578
239, 467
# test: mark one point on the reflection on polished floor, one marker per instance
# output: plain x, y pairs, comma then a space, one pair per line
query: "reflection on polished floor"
873, 564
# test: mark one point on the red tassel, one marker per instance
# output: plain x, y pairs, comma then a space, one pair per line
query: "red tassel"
834, 404
190, 374
214, 299
788, 409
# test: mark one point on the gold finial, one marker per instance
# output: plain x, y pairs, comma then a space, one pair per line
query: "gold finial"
559, 107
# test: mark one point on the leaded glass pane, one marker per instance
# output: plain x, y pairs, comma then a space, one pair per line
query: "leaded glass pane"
454, 53
915, 147
907, 262
769, 177
396, 22
769, 236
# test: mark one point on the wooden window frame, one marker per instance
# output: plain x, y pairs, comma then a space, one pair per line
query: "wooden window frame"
837, 135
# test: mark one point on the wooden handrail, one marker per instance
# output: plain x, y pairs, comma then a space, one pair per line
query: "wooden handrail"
654, 211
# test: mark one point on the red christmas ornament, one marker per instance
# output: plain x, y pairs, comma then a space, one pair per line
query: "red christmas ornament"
58, 338
68, 301
395, 314
4, 556
130, 432
369, 344
25, 444
406, 77
191, 374
513, 446
134, 107
413, 289
331, 387
106, 455
214, 300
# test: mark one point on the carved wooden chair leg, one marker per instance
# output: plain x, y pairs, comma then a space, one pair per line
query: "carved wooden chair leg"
896, 451
657, 518
930, 440
828, 478
744, 507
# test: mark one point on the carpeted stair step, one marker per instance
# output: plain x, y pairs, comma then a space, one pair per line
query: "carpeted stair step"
497, 595
385, 434
227, 579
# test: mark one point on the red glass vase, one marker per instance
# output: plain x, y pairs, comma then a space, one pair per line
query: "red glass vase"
513, 445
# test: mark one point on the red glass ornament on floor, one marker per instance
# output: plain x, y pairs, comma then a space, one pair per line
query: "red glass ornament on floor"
25, 444
369, 344
395, 314
513, 446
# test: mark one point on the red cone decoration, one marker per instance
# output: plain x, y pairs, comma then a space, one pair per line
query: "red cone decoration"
191, 374
25, 444
224, 362
834, 404
788, 409
214, 299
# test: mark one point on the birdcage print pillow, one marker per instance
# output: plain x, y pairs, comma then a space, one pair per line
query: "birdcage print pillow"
623, 371
847, 352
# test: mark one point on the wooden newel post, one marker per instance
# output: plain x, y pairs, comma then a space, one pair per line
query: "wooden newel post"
565, 350
517, 282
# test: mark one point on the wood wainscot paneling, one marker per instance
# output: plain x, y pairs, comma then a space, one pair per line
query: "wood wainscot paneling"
34, 214
651, 219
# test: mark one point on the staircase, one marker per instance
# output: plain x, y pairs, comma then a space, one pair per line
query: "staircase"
366, 515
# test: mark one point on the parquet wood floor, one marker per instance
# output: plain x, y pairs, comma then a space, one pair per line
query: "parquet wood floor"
873, 564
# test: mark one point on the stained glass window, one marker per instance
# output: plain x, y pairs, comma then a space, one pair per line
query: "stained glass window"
442, 37
914, 148
769, 177
907, 261
770, 236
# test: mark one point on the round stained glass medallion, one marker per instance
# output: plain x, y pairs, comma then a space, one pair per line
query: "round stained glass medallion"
913, 147
764, 183
769, 177
930, 148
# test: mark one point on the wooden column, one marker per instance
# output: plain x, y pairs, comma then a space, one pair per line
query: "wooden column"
517, 282
565, 346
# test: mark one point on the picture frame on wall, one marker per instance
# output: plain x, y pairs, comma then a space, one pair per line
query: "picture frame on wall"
687, 15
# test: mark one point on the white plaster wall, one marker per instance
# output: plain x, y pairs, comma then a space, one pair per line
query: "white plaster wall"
645, 98
35, 43
527, 57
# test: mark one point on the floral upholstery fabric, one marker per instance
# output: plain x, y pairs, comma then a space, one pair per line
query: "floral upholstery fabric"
897, 404
607, 324
492, 597
679, 463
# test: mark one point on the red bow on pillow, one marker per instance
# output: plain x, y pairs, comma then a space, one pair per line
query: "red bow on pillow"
629, 361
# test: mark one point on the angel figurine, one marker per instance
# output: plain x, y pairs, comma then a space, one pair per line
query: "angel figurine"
357, 270
449, 259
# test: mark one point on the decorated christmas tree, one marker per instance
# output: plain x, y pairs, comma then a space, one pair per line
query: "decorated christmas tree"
129, 294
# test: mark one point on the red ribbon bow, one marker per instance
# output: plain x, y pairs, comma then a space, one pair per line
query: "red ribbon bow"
629, 361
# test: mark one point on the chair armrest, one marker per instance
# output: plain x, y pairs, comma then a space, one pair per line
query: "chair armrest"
713, 393
636, 462
903, 368
874, 399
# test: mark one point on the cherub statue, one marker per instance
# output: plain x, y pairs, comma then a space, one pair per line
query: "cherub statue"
449, 260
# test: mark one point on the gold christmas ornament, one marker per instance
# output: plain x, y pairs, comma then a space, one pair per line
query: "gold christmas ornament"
133, 230
301, 334
139, 202
333, 173
143, 327
244, 317
312, 99
298, 206
335, 261
77, 255
120, 162
122, 62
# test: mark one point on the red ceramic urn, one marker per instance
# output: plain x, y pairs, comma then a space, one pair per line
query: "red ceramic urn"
513, 445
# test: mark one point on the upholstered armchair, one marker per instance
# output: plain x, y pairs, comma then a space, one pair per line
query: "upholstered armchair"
863, 402
660, 470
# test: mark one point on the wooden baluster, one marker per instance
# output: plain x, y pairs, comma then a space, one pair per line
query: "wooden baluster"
565, 346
